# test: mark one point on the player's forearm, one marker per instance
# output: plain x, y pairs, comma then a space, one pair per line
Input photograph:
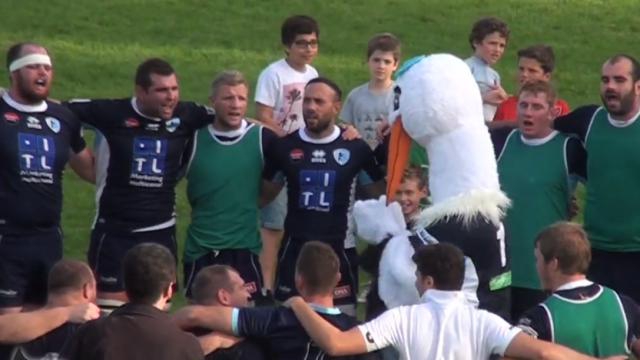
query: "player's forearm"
83, 164
23, 327
264, 114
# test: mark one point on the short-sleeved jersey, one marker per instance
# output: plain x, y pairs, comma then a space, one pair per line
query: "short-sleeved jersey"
280, 333
35, 144
442, 326
145, 158
321, 175
538, 321
281, 87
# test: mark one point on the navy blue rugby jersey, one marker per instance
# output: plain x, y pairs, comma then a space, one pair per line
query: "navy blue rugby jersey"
35, 144
321, 175
145, 156
282, 336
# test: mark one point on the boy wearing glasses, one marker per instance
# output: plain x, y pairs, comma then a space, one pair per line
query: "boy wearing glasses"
279, 94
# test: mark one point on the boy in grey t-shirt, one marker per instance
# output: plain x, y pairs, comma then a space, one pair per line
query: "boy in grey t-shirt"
369, 104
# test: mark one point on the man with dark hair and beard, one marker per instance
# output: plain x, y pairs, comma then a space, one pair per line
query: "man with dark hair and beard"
320, 169
610, 134
37, 138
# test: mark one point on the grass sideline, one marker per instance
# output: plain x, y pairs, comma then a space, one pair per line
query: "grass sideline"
97, 45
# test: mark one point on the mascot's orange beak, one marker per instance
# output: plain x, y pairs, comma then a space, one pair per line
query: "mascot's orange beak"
399, 150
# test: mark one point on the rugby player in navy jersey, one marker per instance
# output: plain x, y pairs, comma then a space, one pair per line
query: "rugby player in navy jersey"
37, 138
320, 169
276, 329
146, 138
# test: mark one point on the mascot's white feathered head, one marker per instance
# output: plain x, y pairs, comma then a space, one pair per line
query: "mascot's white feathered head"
438, 104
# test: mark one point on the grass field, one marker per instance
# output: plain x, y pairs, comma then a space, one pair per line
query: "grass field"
96, 46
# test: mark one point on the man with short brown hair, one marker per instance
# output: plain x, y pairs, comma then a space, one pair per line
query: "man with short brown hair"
580, 314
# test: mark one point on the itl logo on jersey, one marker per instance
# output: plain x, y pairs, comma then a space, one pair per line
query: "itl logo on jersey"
317, 188
148, 164
37, 158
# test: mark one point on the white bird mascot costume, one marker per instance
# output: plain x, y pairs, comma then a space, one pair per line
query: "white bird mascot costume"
438, 104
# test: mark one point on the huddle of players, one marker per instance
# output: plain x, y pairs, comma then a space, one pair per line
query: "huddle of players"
150, 144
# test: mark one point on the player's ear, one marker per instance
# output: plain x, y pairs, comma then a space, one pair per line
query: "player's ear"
338, 278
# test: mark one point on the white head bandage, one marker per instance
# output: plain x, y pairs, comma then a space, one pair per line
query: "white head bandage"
29, 60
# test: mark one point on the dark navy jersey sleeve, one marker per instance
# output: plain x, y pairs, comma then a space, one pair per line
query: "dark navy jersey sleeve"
195, 115
268, 139
576, 157
272, 159
632, 312
535, 322
499, 138
576, 122
255, 322
370, 167
90, 112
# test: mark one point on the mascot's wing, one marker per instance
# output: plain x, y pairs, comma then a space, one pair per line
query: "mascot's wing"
396, 284
376, 221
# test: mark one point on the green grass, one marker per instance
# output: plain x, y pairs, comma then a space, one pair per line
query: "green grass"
96, 46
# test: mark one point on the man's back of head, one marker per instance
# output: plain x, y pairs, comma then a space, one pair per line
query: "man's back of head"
70, 282
317, 270
149, 273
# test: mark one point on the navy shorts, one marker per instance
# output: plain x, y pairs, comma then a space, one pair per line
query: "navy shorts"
25, 261
246, 263
107, 250
345, 292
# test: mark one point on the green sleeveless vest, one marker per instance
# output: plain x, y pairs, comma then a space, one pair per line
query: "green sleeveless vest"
535, 178
223, 188
612, 211
597, 327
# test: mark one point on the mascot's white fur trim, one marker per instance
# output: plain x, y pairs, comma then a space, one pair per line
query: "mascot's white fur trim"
440, 108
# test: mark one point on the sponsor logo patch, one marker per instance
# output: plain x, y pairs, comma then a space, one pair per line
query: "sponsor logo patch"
342, 292
296, 155
132, 123
152, 126
11, 117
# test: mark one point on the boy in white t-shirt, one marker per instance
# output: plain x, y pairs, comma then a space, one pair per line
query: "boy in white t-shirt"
368, 105
279, 94
281, 85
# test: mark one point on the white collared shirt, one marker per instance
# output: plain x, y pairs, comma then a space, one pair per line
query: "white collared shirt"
443, 326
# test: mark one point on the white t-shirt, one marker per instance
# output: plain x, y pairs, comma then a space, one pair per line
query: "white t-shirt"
366, 110
443, 326
282, 87
485, 78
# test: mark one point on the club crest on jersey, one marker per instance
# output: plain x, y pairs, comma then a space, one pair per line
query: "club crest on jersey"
172, 124
33, 123
296, 155
318, 156
53, 124
132, 123
341, 156
11, 118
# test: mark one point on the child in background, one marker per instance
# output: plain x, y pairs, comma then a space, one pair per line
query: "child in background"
368, 105
488, 39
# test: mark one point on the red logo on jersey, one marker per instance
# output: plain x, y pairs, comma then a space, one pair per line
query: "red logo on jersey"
11, 117
132, 123
251, 287
296, 155
342, 292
